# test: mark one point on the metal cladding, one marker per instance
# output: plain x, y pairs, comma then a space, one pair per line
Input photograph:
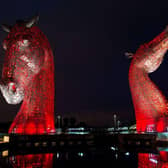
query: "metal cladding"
149, 102
28, 76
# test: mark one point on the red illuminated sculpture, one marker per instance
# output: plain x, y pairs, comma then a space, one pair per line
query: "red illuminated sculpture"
28, 76
149, 103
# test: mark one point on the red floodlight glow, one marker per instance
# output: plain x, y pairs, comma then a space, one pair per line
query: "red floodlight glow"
44, 160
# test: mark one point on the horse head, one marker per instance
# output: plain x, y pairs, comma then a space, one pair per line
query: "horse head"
28, 75
22, 59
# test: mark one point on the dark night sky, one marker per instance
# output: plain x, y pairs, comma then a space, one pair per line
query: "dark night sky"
89, 38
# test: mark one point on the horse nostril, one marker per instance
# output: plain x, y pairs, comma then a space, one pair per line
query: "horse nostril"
12, 86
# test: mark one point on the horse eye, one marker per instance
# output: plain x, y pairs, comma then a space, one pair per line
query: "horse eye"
25, 42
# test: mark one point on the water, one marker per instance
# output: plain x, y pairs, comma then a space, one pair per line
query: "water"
91, 157
76, 149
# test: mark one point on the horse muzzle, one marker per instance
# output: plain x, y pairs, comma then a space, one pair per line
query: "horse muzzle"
12, 93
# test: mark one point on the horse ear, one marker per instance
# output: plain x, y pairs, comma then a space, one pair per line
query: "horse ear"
32, 21
6, 28
129, 55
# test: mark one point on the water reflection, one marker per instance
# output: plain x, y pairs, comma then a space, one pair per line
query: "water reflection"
32, 161
121, 158
147, 160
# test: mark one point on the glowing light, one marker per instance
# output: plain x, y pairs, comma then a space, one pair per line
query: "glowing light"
80, 154
28, 76
58, 155
78, 131
6, 139
149, 103
5, 153
113, 148
127, 153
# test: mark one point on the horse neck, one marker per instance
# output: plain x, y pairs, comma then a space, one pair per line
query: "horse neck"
148, 100
39, 95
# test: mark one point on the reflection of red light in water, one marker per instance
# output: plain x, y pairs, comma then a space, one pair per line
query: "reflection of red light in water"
146, 160
149, 103
32, 161
29, 66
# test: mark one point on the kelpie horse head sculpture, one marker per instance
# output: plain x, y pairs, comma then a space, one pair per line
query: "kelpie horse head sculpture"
28, 76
